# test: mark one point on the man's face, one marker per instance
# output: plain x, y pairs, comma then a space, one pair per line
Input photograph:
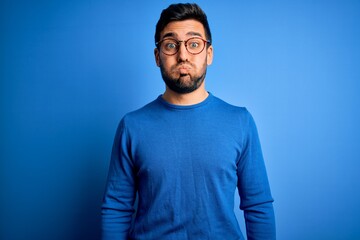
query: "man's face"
183, 72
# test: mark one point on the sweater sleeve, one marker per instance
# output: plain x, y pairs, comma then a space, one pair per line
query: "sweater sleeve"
253, 186
119, 197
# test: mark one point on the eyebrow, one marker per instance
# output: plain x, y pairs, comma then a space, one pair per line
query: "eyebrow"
194, 34
171, 34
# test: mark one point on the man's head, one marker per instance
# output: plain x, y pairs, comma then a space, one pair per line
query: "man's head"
183, 47
181, 12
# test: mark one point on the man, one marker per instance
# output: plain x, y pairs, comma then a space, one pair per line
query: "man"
185, 153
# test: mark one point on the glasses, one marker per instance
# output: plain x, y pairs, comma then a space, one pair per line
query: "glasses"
170, 46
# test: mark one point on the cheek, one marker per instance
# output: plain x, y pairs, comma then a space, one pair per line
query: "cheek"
168, 62
203, 63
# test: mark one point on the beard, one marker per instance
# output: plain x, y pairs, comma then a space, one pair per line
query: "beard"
184, 83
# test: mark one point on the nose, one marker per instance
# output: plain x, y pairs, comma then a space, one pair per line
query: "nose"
182, 53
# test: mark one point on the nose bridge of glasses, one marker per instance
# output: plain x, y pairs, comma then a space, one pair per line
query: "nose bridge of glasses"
184, 43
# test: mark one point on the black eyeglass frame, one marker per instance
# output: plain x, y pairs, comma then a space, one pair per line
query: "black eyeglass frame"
185, 43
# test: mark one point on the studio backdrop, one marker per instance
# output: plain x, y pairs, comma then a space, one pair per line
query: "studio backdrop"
69, 71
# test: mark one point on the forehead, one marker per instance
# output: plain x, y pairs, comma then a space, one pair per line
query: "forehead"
184, 28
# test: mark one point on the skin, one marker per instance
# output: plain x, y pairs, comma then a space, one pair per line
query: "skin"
188, 69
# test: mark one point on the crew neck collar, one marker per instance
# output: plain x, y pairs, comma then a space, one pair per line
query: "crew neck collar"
185, 107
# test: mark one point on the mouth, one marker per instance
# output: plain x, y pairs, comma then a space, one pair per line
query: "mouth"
183, 70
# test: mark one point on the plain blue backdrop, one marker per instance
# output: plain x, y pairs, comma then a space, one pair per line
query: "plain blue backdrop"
71, 69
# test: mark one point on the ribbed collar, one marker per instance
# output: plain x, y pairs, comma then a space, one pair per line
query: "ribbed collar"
185, 107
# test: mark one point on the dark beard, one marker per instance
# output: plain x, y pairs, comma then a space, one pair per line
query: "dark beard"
178, 86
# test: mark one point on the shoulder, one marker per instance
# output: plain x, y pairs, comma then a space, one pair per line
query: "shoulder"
238, 112
141, 115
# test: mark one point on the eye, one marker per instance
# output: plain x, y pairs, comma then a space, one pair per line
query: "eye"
194, 44
170, 45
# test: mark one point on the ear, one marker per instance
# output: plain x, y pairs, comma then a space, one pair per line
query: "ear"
210, 55
157, 57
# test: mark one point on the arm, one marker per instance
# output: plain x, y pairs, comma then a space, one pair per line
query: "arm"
119, 197
254, 190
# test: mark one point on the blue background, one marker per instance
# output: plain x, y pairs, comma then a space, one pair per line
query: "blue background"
71, 69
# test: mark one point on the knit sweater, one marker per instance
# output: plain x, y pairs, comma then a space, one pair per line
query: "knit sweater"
183, 163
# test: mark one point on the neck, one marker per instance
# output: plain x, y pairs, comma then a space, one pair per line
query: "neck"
184, 99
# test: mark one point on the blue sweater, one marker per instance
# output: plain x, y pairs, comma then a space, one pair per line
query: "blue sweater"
185, 163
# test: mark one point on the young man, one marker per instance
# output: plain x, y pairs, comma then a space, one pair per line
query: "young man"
186, 152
